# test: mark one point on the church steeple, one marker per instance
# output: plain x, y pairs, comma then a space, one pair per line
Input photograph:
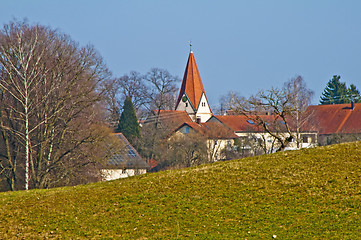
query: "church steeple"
192, 97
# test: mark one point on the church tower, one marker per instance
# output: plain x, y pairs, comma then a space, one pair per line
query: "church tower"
192, 97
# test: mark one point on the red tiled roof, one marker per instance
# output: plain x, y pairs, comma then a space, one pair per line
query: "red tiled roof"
241, 123
212, 130
171, 119
192, 84
336, 118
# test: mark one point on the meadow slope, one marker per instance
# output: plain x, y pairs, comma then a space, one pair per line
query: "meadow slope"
306, 194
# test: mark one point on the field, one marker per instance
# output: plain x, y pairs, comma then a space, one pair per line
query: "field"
306, 194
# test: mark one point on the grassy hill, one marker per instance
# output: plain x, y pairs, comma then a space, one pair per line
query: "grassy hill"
307, 194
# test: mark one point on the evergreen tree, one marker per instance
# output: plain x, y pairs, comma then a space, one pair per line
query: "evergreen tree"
128, 123
354, 94
335, 92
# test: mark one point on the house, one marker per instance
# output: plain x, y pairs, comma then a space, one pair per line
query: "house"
253, 139
217, 137
124, 162
336, 123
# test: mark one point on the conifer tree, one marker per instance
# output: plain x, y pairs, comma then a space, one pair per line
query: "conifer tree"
128, 123
335, 92
354, 93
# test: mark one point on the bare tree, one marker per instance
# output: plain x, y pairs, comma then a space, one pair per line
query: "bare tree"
52, 95
112, 104
132, 85
301, 98
160, 95
183, 151
286, 105
270, 110
161, 90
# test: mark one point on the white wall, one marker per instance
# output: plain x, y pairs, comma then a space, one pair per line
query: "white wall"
203, 111
112, 174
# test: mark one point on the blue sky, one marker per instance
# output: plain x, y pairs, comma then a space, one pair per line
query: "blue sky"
243, 46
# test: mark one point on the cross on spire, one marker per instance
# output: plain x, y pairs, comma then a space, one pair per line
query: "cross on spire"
190, 46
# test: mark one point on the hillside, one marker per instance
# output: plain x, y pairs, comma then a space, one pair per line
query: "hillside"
312, 193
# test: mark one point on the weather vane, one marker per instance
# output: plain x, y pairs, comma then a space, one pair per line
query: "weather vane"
190, 45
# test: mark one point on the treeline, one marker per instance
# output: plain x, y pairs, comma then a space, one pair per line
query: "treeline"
59, 105
52, 130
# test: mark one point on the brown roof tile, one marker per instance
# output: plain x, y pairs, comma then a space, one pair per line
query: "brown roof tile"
336, 118
211, 130
242, 123
170, 119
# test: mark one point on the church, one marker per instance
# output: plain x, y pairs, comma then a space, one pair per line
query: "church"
224, 133
192, 98
237, 133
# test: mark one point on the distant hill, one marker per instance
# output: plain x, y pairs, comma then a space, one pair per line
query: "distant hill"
306, 194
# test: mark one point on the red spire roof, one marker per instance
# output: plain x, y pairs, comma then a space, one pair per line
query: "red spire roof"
192, 84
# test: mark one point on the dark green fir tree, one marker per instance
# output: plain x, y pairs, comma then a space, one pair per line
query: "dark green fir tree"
335, 92
128, 122
354, 94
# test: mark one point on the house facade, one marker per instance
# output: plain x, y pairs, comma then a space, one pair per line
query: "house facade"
124, 162
253, 140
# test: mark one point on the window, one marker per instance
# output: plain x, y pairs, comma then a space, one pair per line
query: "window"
250, 122
186, 104
203, 104
186, 130
131, 153
305, 139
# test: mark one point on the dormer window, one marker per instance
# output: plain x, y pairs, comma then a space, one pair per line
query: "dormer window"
186, 130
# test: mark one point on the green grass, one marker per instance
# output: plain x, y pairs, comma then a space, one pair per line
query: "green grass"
307, 194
